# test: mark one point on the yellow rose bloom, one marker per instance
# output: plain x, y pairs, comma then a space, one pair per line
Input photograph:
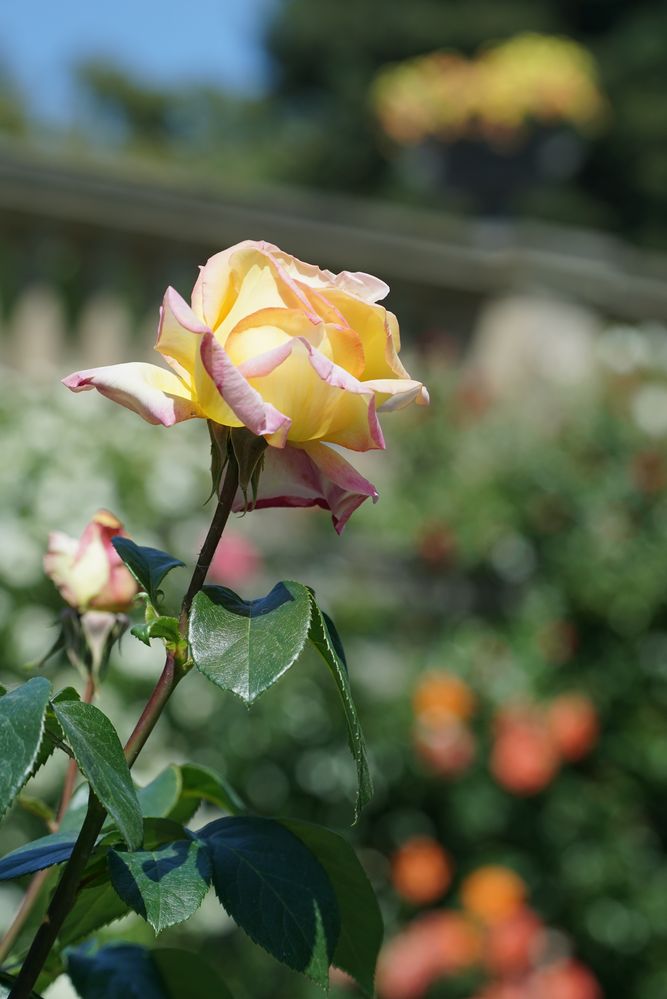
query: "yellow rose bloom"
300, 356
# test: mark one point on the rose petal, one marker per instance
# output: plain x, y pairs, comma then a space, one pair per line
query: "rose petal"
159, 396
227, 398
121, 586
179, 334
378, 329
234, 283
324, 401
312, 475
363, 286
396, 393
58, 562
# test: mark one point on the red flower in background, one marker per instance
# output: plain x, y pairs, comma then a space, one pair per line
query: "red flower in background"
441, 696
448, 749
574, 725
436, 945
421, 870
513, 944
525, 757
566, 980
236, 561
493, 893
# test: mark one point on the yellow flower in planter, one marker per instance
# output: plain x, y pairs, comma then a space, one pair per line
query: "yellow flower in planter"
300, 356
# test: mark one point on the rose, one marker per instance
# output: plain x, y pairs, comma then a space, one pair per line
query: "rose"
298, 355
89, 572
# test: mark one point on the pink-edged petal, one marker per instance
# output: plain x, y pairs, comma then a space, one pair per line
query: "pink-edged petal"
267, 362
179, 334
364, 286
58, 562
159, 396
396, 393
313, 475
241, 280
323, 400
227, 398
212, 288
339, 378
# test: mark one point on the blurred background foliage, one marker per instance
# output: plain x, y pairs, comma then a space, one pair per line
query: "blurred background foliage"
324, 59
503, 606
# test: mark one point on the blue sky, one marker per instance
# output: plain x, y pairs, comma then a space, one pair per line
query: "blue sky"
163, 41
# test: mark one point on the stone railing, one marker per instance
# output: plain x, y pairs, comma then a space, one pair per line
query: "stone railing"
86, 248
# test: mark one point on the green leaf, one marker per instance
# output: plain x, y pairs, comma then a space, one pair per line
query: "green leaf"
36, 807
99, 754
326, 644
361, 928
276, 890
97, 903
200, 783
57, 847
127, 971
149, 566
159, 798
94, 907
22, 715
46, 851
334, 637
164, 886
53, 737
245, 645
120, 971
157, 833
166, 628
186, 974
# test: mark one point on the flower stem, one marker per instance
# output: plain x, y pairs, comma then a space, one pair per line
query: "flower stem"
224, 507
162, 691
172, 674
62, 901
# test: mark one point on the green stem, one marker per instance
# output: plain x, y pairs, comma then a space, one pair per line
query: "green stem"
227, 493
65, 893
61, 903
162, 691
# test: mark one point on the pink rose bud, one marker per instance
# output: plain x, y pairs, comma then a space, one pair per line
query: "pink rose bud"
89, 572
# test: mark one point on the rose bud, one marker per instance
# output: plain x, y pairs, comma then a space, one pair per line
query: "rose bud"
88, 572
